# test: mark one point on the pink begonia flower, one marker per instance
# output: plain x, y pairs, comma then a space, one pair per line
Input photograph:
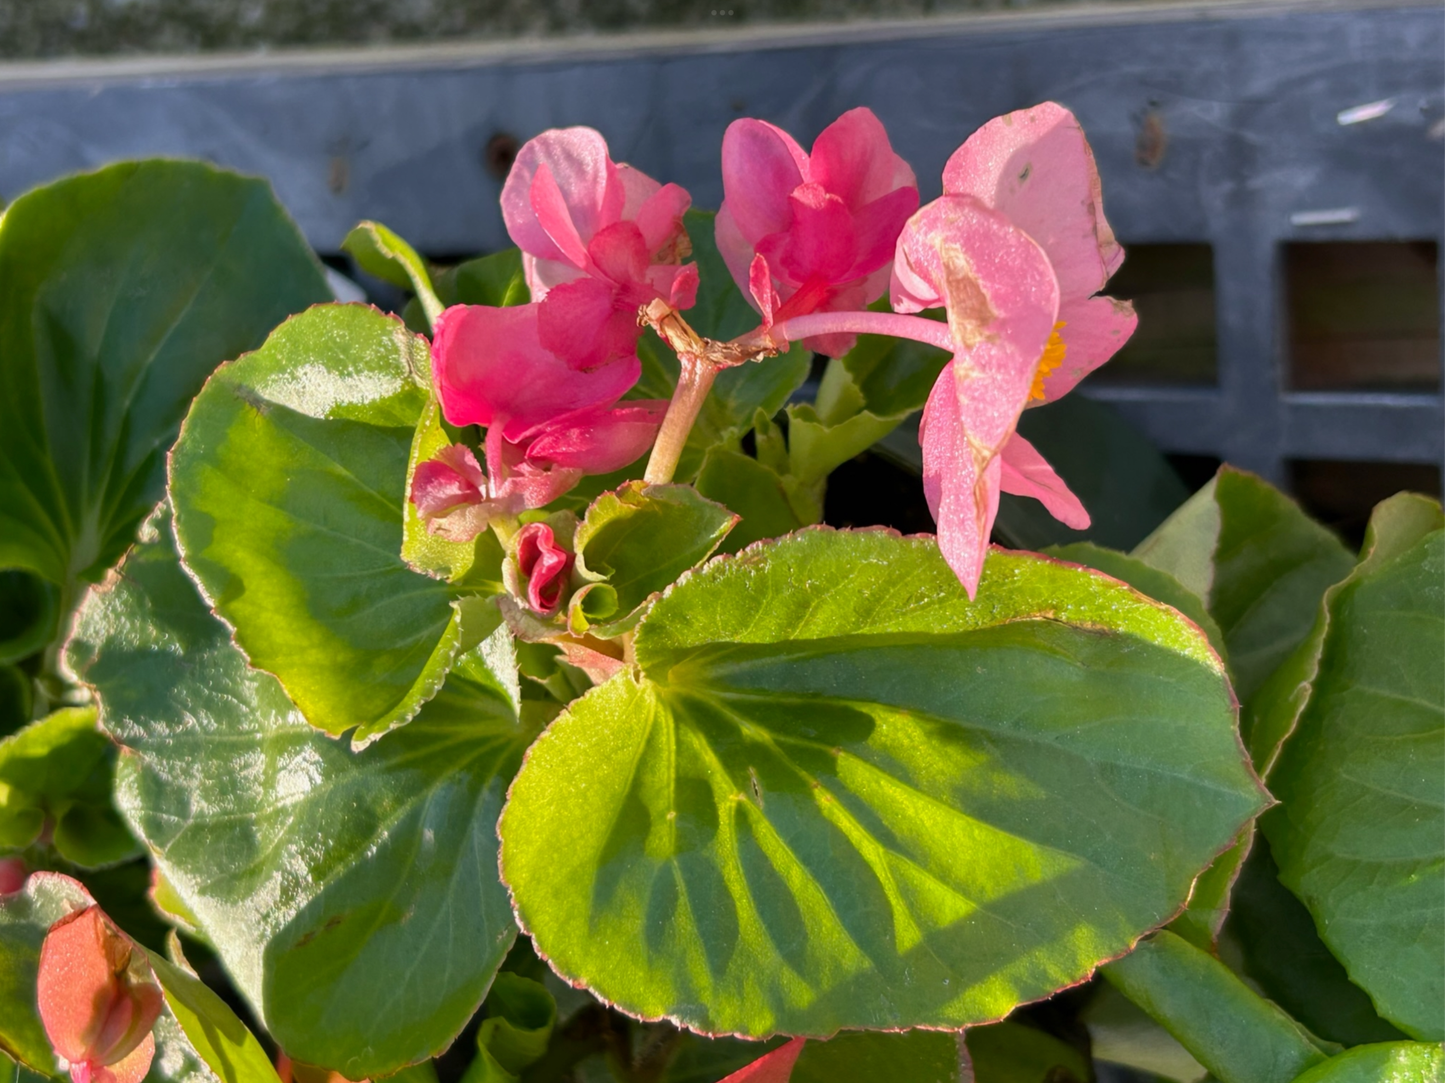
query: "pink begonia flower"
95, 1001
772, 1067
599, 239
808, 233
547, 423
544, 566
1035, 168
13, 875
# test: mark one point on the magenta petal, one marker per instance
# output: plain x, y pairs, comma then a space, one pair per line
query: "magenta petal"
760, 289
960, 482
660, 217
584, 324
681, 292
489, 366
577, 160
550, 207
761, 165
1025, 473
876, 228
620, 253
821, 241
1035, 165
853, 159
775, 1066
599, 441
1093, 330
545, 566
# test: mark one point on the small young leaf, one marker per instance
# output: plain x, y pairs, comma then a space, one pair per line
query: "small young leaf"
1235, 1033
217, 1036
380, 252
834, 792
520, 1017
1120, 1032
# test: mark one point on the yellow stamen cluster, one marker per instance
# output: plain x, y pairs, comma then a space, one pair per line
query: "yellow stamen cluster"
1052, 358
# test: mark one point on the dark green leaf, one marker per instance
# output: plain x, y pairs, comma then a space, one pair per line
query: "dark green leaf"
29, 611
520, 1017
17, 700
837, 793
25, 918
1235, 1033
919, 1056
1360, 834
1387, 1062
639, 539
1283, 955
215, 1034
751, 489
721, 311
496, 280
1010, 1052
288, 481
124, 288
353, 897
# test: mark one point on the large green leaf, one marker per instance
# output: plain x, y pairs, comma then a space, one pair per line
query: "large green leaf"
837, 793
1360, 835
353, 897
1231, 1030
919, 1056
1385, 1062
1259, 563
123, 289
753, 490
25, 918
288, 482
1280, 951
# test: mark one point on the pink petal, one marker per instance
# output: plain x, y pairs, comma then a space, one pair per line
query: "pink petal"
760, 289
735, 249
660, 218
1035, 165
620, 254
587, 324
543, 275
681, 291
132, 1068
489, 366
876, 227
821, 240
554, 216
853, 159
544, 565
449, 479
599, 441
1093, 330
578, 162
1025, 473
637, 188
533, 488
773, 1067
761, 165
960, 483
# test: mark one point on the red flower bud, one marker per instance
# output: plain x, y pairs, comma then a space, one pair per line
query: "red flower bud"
13, 874
95, 1000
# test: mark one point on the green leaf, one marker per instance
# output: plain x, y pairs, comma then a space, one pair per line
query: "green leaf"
752, 490
25, 918
1260, 564
10, 1072
17, 701
520, 1017
639, 539
380, 252
1235, 1033
288, 486
1283, 955
918, 1056
1387, 1062
217, 1036
888, 377
57, 772
124, 288
1011, 1052
721, 311
29, 611
836, 793
176, 1061
1121, 1033
353, 897
496, 280
1360, 834
816, 449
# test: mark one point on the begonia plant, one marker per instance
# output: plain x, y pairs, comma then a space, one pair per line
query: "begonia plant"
479, 691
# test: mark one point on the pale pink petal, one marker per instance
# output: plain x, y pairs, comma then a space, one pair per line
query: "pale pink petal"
578, 162
1025, 473
599, 441
1093, 330
132, 1068
533, 488
960, 483
761, 165
637, 188
735, 249
660, 219
1035, 165
853, 159
773, 1067
588, 323
543, 275
821, 240
489, 365
876, 228
555, 218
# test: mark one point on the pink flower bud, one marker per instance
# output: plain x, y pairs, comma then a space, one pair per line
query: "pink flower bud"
96, 1003
812, 233
13, 875
544, 566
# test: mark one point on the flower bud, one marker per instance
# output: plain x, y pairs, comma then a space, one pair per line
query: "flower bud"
13, 874
96, 1000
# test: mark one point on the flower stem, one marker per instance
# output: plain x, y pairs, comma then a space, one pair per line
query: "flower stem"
693, 385
892, 324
